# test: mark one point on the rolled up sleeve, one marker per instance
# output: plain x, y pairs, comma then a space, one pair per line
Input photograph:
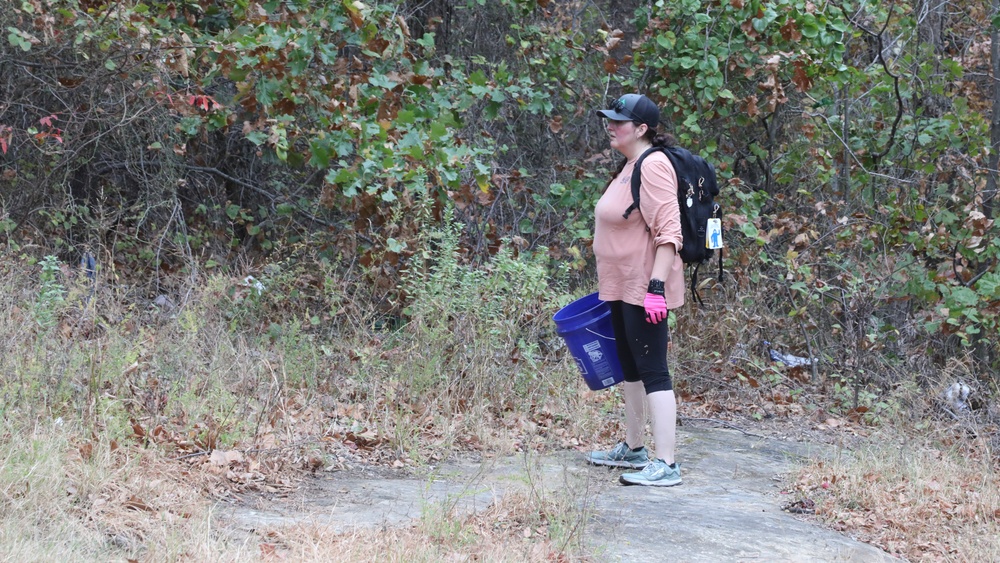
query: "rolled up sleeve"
658, 201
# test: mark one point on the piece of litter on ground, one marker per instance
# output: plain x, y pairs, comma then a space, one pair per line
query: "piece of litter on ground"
789, 360
957, 396
254, 284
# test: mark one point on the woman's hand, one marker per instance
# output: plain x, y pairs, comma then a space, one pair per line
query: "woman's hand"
656, 308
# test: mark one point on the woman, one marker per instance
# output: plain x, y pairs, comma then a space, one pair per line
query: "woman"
641, 276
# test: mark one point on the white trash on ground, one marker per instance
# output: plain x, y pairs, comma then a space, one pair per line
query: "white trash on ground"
788, 359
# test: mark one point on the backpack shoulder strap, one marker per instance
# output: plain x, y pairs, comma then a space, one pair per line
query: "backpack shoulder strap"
676, 157
637, 180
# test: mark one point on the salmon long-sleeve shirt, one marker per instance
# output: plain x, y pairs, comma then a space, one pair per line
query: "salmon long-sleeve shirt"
625, 248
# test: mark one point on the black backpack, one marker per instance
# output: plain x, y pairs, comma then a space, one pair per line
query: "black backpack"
696, 191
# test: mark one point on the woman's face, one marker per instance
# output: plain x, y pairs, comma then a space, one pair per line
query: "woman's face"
623, 134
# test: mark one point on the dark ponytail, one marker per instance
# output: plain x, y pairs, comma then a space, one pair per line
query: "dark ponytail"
661, 139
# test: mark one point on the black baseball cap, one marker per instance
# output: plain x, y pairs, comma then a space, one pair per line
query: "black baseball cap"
633, 107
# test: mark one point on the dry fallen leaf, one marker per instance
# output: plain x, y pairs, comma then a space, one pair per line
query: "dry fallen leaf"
135, 503
270, 550
225, 458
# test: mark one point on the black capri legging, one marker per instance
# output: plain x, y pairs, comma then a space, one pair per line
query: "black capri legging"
641, 346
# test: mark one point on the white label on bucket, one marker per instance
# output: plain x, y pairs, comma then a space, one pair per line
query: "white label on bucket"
602, 369
594, 351
608, 382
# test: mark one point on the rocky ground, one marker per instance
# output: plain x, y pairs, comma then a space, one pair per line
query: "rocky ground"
732, 506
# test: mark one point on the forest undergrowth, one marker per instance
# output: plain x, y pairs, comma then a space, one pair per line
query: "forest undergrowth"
124, 420
331, 235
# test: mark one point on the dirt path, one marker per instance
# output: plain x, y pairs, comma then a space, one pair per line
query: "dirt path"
729, 507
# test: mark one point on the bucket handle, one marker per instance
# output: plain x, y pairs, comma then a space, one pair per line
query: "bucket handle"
599, 334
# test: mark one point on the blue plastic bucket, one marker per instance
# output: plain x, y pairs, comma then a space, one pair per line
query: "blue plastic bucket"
585, 325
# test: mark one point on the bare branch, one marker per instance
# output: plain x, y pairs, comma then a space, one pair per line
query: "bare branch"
880, 57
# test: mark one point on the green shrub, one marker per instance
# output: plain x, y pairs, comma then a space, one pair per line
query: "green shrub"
51, 293
476, 329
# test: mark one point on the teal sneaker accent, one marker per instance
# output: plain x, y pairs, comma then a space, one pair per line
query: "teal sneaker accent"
621, 456
656, 474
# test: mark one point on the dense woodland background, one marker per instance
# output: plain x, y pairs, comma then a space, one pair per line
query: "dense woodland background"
857, 143
411, 185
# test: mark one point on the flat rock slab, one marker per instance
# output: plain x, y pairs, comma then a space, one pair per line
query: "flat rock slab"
727, 509
343, 504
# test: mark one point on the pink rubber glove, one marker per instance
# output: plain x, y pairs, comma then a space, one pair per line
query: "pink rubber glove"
656, 308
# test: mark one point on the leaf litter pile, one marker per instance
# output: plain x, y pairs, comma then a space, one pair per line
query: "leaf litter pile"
915, 498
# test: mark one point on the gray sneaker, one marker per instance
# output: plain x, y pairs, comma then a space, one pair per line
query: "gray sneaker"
621, 456
656, 474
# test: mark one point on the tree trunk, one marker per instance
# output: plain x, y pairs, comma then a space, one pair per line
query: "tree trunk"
994, 160
985, 349
930, 15
845, 134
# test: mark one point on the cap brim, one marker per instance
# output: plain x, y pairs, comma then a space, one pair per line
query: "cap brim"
614, 115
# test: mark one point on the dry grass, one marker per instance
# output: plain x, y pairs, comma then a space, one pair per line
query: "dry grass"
109, 416
519, 527
143, 397
931, 496
63, 500
94, 501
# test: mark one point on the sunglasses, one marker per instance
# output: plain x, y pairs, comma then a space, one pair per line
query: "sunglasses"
618, 106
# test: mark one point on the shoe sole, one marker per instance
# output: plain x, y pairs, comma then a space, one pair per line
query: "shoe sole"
624, 464
660, 483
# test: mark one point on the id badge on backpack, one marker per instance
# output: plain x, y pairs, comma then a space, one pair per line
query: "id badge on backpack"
713, 234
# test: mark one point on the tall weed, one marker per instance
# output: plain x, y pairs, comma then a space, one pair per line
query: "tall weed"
51, 292
476, 328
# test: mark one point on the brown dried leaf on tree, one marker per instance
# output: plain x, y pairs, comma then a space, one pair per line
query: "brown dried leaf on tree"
790, 32
556, 124
751, 103
614, 39
803, 82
